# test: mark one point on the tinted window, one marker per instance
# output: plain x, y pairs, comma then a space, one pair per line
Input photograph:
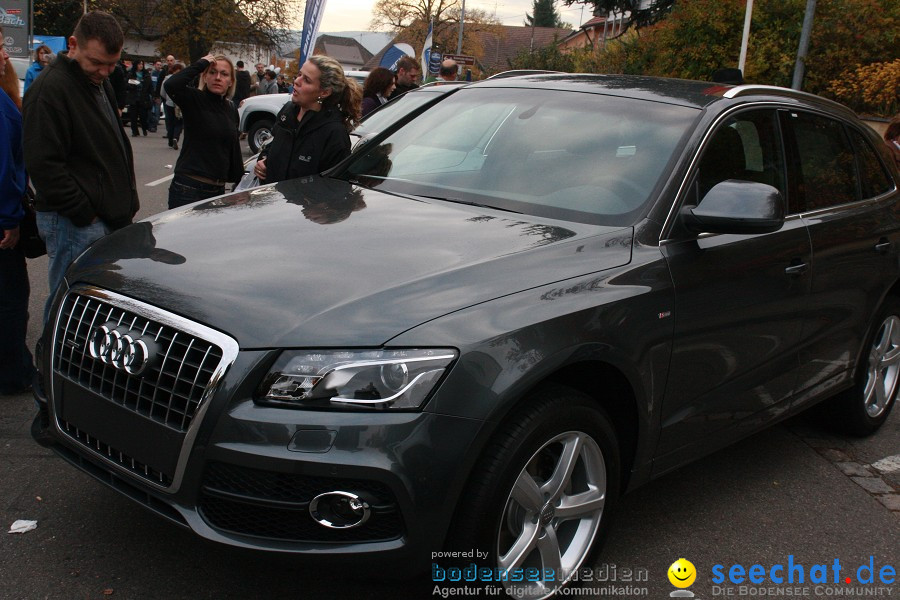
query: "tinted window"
744, 147
393, 111
566, 155
825, 166
873, 179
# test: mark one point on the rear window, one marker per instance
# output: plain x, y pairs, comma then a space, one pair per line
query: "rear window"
873, 177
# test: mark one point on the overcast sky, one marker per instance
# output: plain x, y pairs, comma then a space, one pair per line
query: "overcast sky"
353, 15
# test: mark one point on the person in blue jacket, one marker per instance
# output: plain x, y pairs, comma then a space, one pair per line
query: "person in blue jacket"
42, 57
16, 368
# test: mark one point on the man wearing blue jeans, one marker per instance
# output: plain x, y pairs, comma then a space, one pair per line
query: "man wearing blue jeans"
76, 150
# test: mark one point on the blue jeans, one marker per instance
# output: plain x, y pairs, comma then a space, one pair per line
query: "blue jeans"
65, 242
16, 367
185, 190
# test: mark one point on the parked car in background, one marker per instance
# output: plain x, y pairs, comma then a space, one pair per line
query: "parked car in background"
257, 116
357, 76
21, 66
487, 324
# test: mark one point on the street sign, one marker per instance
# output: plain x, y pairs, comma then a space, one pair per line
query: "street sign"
461, 59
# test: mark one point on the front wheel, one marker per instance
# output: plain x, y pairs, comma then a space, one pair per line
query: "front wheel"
541, 496
862, 409
259, 132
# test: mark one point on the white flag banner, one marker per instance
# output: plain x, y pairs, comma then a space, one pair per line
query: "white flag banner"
426, 50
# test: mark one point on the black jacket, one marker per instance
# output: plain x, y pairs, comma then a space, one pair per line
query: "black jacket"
317, 143
242, 88
119, 80
81, 165
211, 139
140, 88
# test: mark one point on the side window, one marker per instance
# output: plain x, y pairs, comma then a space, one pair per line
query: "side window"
745, 147
873, 179
825, 166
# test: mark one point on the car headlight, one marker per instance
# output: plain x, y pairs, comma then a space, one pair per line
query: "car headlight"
380, 379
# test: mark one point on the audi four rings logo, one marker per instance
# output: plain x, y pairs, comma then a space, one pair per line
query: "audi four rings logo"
121, 351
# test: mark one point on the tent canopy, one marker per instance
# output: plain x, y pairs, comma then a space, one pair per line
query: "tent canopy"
56, 43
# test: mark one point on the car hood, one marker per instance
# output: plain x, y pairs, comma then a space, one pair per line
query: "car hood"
319, 262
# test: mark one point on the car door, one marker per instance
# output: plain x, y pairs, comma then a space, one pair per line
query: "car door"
737, 302
849, 207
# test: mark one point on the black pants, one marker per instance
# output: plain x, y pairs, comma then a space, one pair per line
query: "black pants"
138, 112
16, 369
185, 190
173, 125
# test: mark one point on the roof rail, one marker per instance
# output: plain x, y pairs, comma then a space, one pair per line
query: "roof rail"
747, 90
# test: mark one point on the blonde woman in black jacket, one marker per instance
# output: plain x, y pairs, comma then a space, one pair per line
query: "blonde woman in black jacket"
312, 131
211, 154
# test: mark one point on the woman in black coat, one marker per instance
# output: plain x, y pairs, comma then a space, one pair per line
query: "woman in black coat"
311, 132
138, 97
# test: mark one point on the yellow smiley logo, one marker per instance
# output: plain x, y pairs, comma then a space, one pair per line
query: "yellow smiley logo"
682, 573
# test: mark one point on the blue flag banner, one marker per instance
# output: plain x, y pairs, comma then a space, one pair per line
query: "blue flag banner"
426, 49
393, 54
312, 17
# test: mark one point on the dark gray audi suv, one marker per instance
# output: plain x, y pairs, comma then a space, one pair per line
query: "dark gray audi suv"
489, 323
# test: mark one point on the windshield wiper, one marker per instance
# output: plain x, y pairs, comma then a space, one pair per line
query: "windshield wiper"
469, 203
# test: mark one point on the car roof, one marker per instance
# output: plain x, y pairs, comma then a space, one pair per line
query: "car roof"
519, 73
684, 92
697, 94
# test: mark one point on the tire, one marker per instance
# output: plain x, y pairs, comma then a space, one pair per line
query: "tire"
862, 409
259, 132
542, 493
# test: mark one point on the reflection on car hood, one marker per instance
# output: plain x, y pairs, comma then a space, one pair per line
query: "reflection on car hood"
316, 261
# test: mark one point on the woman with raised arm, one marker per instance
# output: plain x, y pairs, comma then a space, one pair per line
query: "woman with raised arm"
211, 154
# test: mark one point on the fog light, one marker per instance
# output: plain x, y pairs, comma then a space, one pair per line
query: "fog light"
339, 510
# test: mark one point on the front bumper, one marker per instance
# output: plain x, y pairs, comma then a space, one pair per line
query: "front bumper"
250, 483
244, 474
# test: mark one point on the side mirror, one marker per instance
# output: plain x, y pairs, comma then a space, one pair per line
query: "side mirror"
736, 206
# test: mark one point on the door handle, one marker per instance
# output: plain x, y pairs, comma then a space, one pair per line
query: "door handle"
882, 246
795, 270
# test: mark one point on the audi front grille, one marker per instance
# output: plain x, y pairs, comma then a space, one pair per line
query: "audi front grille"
145, 361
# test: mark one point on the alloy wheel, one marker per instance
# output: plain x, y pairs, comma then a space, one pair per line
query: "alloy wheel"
553, 513
883, 368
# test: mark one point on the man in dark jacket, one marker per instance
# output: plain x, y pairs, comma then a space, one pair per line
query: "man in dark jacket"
76, 149
242, 87
408, 74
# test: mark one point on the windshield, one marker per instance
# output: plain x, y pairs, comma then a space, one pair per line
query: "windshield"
395, 110
560, 154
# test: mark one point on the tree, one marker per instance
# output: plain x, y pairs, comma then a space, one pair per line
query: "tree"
56, 17
191, 27
545, 15
550, 58
408, 20
700, 36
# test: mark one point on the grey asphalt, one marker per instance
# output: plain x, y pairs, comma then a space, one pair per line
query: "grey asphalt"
795, 490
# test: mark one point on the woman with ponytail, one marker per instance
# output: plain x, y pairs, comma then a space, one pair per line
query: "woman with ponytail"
312, 131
